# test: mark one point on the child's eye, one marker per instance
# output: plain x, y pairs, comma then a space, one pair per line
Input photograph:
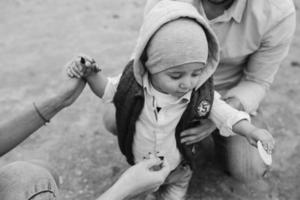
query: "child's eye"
175, 76
196, 74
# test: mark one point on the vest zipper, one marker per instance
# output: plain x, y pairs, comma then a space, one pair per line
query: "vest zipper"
156, 119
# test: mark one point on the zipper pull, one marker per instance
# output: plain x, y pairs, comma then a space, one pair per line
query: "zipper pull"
194, 149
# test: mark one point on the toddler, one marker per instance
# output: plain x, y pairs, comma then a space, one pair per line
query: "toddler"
166, 88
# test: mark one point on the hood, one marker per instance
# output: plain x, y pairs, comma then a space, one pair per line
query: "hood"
162, 13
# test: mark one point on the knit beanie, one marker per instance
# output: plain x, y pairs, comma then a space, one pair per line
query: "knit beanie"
178, 42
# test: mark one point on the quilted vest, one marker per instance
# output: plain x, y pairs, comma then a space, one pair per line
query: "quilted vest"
129, 102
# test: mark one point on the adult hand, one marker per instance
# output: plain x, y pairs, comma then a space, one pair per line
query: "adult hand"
140, 178
70, 88
235, 103
196, 134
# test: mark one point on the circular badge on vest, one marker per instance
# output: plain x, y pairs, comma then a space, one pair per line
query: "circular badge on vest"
203, 108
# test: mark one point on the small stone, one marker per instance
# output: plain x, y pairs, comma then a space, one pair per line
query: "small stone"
295, 64
116, 16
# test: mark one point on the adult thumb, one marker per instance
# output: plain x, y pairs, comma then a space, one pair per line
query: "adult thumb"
165, 169
152, 162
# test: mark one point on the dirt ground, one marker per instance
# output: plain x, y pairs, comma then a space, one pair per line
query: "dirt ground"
37, 37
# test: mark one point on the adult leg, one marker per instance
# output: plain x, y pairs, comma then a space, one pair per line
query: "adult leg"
28, 181
238, 157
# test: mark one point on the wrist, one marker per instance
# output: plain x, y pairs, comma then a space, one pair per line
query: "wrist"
253, 133
59, 101
49, 107
115, 192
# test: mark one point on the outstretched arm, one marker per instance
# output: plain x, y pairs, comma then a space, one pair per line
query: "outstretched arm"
138, 179
229, 121
97, 83
13, 131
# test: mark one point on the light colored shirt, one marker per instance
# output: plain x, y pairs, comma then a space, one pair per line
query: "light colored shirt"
155, 130
254, 36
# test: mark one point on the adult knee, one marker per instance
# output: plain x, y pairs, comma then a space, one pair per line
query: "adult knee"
25, 180
244, 162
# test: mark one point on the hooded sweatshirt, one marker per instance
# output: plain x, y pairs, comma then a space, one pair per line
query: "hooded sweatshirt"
162, 13
156, 135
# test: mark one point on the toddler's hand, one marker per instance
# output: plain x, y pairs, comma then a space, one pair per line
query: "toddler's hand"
266, 139
81, 67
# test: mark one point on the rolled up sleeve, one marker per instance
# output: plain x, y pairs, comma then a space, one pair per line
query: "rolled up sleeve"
111, 89
224, 116
263, 65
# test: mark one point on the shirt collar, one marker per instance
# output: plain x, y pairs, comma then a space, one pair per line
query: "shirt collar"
235, 11
149, 89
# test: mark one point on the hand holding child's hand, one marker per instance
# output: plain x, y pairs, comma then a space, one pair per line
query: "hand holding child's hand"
265, 137
82, 66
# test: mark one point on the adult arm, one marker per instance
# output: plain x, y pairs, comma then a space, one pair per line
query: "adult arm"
263, 65
137, 179
13, 131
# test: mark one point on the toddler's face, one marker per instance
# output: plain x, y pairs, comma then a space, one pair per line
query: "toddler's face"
179, 80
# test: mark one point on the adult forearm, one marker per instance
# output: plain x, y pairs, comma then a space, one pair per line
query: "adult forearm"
14, 130
249, 93
113, 193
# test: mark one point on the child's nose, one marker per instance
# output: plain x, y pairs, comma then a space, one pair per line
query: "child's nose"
187, 84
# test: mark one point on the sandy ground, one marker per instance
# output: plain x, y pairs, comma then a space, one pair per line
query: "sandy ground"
36, 39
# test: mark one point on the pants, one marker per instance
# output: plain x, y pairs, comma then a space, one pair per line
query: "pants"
175, 186
28, 181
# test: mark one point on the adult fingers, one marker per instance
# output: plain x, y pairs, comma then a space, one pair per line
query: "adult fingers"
151, 162
78, 69
193, 131
206, 125
198, 131
71, 75
74, 72
165, 169
195, 138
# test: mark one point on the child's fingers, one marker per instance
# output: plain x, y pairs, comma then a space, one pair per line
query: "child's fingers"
268, 147
86, 59
88, 64
97, 68
151, 156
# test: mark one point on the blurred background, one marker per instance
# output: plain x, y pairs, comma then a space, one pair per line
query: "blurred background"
37, 38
